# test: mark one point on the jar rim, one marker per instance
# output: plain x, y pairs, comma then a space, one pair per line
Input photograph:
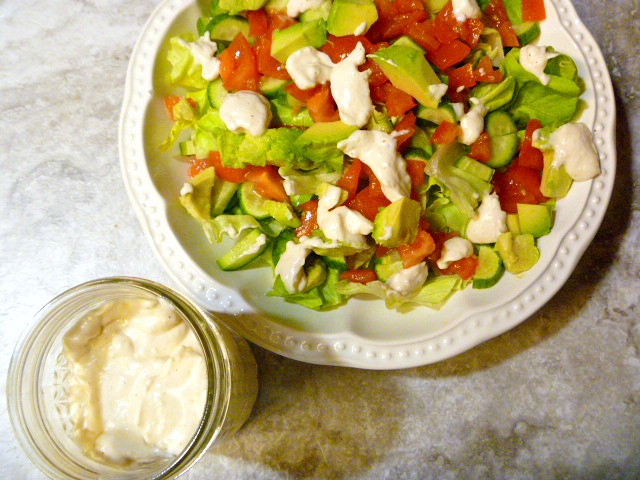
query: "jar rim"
26, 373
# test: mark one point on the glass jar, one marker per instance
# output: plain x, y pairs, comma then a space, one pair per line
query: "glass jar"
38, 379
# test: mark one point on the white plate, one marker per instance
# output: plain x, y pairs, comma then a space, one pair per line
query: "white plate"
363, 333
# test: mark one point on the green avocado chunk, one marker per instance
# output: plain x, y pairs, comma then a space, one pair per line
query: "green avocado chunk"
406, 67
519, 252
286, 41
534, 219
555, 181
351, 17
397, 224
236, 6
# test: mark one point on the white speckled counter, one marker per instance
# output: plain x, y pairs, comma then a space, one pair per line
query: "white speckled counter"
557, 397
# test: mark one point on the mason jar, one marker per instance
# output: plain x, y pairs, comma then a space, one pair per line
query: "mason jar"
39, 376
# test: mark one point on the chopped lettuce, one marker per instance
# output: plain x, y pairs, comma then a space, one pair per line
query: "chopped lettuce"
465, 190
184, 71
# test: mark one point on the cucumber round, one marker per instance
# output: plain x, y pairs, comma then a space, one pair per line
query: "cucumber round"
490, 268
249, 248
504, 138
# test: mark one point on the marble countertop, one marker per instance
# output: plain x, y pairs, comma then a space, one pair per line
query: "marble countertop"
556, 397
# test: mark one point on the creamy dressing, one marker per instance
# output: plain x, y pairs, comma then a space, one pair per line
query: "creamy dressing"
533, 59
437, 91
377, 149
296, 7
138, 381
350, 88
454, 249
309, 67
186, 189
489, 221
341, 223
574, 148
360, 29
472, 122
203, 51
465, 9
408, 280
246, 111
255, 248
290, 266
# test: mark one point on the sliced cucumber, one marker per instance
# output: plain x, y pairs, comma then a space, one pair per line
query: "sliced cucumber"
337, 261
437, 115
187, 148
490, 268
388, 265
474, 167
221, 195
226, 27
249, 248
253, 204
527, 32
216, 93
504, 138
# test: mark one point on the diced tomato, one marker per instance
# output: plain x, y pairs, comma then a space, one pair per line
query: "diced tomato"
359, 276
322, 107
391, 27
518, 185
415, 169
446, 28
533, 11
268, 183
377, 76
280, 21
449, 54
470, 31
405, 6
398, 102
484, 71
465, 267
238, 65
234, 175
370, 199
309, 219
350, 179
170, 102
198, 165
497, 13
258, 23
423, 34
339, 47
439, 238
462, 77
302, 95
530, 156
481, 148
417, 251
405, 129
446, 133
267, 65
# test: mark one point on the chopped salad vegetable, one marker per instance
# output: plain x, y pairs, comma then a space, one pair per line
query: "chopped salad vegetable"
401, 149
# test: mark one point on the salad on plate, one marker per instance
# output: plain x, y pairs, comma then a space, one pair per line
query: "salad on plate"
403, 149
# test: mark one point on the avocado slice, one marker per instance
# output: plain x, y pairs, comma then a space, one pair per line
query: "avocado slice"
534, 219
351, 17
397, 224
406, 67
555, 181
326, 132
236, 6
304, 34
519, 252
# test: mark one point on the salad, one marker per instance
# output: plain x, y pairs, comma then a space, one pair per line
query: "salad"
403, 149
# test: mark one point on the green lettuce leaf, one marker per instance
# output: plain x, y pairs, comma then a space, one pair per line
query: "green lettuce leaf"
184, 71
